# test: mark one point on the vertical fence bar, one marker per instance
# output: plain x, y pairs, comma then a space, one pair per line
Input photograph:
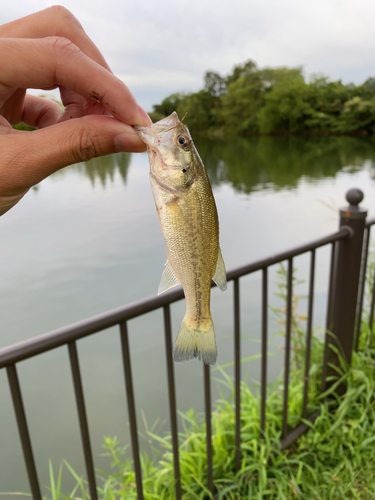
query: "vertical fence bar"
207, 400
264, 351
309, 333
362, 286
329, 313
23, 431
131, 407
288, 334
82, 417
237, 373
346, 284
332, 274
172, 399
371, 320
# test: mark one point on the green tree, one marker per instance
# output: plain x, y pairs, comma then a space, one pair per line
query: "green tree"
246, 96
241, 104
274, 100
240, 70
200, 108
357, 115
166, 107
214, 84
286, 107
367, 89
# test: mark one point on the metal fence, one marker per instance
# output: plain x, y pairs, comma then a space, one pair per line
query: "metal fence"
347, 280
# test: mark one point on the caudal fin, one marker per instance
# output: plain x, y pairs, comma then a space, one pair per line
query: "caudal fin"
195, 341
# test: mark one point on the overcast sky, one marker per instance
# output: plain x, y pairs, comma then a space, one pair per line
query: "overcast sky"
162, 46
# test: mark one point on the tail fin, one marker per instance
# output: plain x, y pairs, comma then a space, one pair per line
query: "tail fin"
195, 342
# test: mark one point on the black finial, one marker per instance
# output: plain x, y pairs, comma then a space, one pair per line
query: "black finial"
354, 196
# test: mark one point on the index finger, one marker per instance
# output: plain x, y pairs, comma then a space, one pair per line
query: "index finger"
54, 21
41, 63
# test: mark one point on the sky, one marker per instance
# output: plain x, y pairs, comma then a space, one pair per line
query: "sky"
158, 47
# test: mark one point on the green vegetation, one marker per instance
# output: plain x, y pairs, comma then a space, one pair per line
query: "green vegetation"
252, 101
23, 126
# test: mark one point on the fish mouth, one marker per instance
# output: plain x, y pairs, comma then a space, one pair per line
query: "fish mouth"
166, 124
147, 134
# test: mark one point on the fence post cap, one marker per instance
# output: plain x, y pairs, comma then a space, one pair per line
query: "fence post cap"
353, 211
354, 196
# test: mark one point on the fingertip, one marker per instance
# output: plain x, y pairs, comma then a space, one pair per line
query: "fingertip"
146, 120
40, 112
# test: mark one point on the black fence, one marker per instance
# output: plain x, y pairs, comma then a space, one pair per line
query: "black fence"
347, 280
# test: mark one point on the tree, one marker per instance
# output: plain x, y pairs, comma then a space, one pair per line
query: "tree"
240, 70
199, 107
168, 105
367, 89
286, 107
214, 84
246, 96
274, 100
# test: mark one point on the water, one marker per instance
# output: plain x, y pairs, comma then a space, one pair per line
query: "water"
87, 240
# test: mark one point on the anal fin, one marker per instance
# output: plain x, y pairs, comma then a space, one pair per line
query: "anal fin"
220, 277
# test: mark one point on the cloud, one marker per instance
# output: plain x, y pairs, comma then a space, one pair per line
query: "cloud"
158, 47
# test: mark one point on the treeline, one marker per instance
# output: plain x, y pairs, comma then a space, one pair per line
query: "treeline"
252, 101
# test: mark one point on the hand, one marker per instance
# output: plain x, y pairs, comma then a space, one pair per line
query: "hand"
50, 50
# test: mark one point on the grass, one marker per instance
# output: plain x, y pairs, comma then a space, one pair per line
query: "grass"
335, 459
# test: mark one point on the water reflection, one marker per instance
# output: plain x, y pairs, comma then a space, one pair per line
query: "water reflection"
104, 168
253, 163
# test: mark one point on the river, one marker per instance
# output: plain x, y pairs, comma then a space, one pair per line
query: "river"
87, 240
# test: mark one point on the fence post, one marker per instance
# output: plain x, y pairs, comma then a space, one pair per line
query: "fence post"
346, 280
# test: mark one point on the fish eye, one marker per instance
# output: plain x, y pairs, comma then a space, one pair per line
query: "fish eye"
184, 170
183, 140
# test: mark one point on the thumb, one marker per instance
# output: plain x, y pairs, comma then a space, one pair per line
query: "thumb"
29, 157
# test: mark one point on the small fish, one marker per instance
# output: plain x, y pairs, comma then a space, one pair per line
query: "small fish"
189, 223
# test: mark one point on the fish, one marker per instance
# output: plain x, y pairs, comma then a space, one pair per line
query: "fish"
190, 226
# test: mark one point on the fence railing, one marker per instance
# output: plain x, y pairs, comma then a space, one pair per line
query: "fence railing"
348, 265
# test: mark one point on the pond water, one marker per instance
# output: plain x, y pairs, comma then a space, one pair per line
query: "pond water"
87, 240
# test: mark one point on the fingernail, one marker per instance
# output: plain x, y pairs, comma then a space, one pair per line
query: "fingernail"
146, 119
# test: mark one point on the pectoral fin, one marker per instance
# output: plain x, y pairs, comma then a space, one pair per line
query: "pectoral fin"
220, 277
168, 279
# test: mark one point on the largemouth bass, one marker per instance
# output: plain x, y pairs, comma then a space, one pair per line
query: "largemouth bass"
189, 223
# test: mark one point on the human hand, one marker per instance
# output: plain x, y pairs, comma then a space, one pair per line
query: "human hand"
50, 50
